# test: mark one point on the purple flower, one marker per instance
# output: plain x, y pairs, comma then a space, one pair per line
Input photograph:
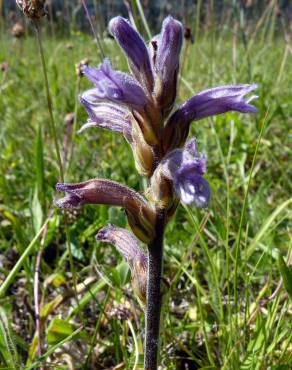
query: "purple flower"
135, 49
185, 168
207, 103
165, 50
218, 100
109, 116
99, 191
115, 86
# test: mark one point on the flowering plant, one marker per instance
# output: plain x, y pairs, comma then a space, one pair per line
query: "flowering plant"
140, 106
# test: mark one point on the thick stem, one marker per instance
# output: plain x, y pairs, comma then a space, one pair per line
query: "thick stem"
153, 295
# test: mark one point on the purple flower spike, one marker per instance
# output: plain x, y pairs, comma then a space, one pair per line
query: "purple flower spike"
166, 50
207, 103
135, 49
109, 116
186, 167
115, 86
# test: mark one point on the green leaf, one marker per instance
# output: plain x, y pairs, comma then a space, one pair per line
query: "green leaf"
8, 350
37, 213
286, 274
59, 330
39, 163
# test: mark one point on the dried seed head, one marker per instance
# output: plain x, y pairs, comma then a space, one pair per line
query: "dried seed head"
32, 9
18, 30
69, 119
4, 66
79, 66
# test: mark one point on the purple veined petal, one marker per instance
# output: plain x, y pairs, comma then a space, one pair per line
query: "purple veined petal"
108, 116
125, 242
187, 158
135, 49
115, 86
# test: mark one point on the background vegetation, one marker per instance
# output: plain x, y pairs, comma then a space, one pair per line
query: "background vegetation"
226, 303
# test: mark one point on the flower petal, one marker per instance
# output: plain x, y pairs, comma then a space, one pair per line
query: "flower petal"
115, 86
192, 188
108, 116
185, 169
218, 100
135, 49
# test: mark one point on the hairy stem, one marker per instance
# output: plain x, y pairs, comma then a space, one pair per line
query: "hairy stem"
153, 294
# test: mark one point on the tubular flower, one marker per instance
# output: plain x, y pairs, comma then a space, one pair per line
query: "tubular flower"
135, 49
129, 247
140, 215
115, 86
184, 169
207, 103
109, 116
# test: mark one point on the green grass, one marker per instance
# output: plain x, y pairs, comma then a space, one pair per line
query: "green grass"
222, 308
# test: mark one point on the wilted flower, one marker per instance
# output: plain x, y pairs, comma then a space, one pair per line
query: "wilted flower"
129, 247
79, 66
140, 215
18, 30
4, 67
